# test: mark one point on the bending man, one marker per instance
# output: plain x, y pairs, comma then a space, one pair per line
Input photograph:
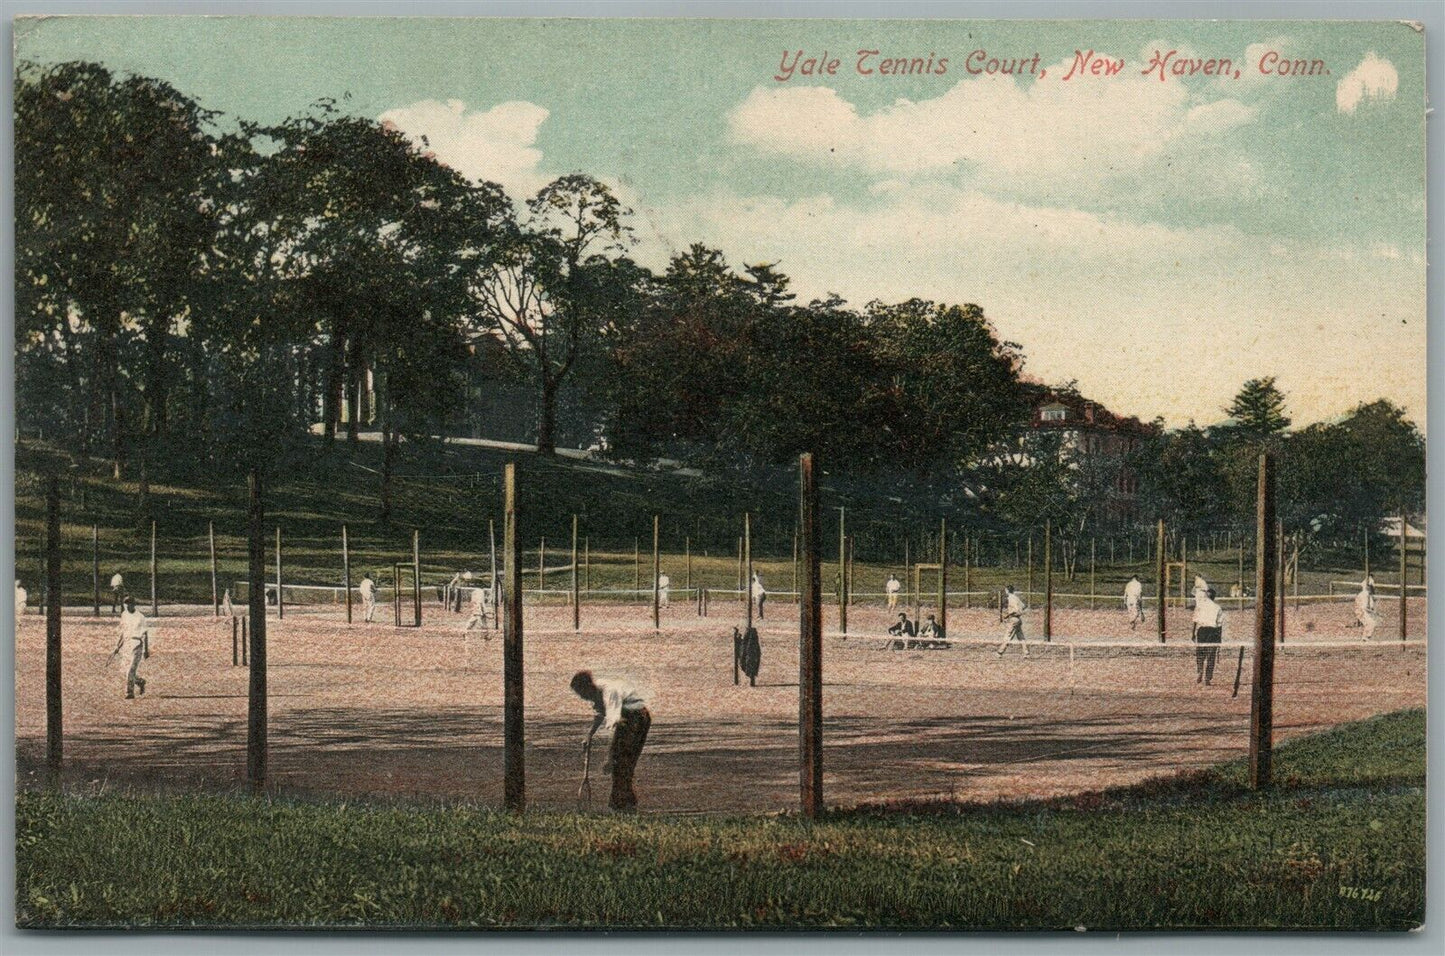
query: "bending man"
621, 711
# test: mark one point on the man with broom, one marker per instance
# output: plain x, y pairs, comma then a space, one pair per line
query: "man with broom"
621, 711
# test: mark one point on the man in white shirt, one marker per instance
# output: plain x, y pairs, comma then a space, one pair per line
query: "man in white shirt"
227, 609
1134, 601
891, 589
621, 711
664, 584
1365, 614
1208, 633
117, 583
1013, 616
479, 612
759, 594
22, 598
134, 636
368, 597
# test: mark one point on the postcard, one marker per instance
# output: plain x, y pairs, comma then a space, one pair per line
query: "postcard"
719, 474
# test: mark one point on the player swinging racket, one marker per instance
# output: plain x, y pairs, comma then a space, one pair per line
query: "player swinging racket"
1013, 616
1134, 601
622, 712
134, 635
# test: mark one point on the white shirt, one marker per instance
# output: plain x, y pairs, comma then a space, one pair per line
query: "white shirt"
892, 587
1016, 604
1133, 591
664, 582
115, 582
1364, 601
368, 589
1207, 613
21, 597
133, 625
479, 600
618, 697
758, 590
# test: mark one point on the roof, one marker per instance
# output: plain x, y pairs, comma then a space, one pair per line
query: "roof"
1085, 413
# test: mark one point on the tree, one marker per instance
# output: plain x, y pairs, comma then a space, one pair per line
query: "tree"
1258, 409
543, 288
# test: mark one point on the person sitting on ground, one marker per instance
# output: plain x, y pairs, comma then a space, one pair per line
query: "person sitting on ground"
931, 631
903, 627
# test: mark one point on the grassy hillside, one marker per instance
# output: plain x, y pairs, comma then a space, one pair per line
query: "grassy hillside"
1339, 844
450, 494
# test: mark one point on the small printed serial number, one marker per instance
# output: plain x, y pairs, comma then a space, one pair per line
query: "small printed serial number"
1360, 893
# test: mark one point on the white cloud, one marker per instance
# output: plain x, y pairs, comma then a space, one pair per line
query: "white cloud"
1083, 129
496, 144
1374, 78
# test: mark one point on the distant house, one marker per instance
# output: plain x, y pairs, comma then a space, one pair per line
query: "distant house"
1087, 428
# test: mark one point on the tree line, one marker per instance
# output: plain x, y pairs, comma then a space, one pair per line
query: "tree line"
203, 290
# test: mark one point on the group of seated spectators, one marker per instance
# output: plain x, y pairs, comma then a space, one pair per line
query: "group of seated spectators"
904, 627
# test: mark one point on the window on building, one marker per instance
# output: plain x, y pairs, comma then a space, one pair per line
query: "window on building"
1055, 414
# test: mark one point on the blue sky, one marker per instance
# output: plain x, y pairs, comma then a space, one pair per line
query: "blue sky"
1158, 241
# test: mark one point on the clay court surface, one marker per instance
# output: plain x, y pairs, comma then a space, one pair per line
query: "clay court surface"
384, 711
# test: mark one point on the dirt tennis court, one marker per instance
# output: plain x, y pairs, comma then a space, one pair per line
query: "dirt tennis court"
379, 710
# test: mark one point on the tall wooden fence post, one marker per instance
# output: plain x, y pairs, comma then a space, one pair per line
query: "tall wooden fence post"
496, 582
54, 712
1161, 559
514, 768
346, 569
943, 575
810, 645
748, 566
1048, 580
416, 574
1404, 574
1261, 705
842, 571
967, 572
256, 599
1279, 578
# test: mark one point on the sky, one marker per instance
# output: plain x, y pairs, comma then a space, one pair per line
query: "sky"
1159, 237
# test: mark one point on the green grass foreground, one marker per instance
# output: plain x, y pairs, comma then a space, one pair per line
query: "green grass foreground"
1339, 844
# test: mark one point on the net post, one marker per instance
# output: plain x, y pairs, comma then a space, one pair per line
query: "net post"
842, 569
54, 712
1183, 570
687, 558
943, 575
850, 570
747, 569
235, 642
346, 569
1161, 584
1280, 578
280, 593
810, 656
1048, 580
416, 574
1261, 707
587, 565
514, 767
541, 567
1404, 574
636, 568
576, 602
656, 575
95, 567
967, 573
1093, 547
256, 743
215, 582
1294, 564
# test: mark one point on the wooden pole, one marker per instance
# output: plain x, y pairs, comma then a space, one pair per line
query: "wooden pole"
797, 597
1183, 571
280, 595
346, 569
1048, 580
541, 568
95, 566
742, 585
850, 570
656, 574
1294, 566
155, 609
967, 575
1093, 545
514, 772
256, 599
1367, 553
810, 646
587, 565
54, 711
416, 573
1029, 593
1404, 574
943, 575
576, 603
842, 568
1241, 570
1261, 705
215, 582
748, 570
1160, 560
687, 558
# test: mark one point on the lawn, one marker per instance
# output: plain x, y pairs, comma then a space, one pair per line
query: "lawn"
1338, 844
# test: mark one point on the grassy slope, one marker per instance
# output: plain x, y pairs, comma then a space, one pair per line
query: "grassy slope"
451, 507
1187, 852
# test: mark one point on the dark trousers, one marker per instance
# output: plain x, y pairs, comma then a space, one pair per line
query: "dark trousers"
627, 740
762, 599
1207, 653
